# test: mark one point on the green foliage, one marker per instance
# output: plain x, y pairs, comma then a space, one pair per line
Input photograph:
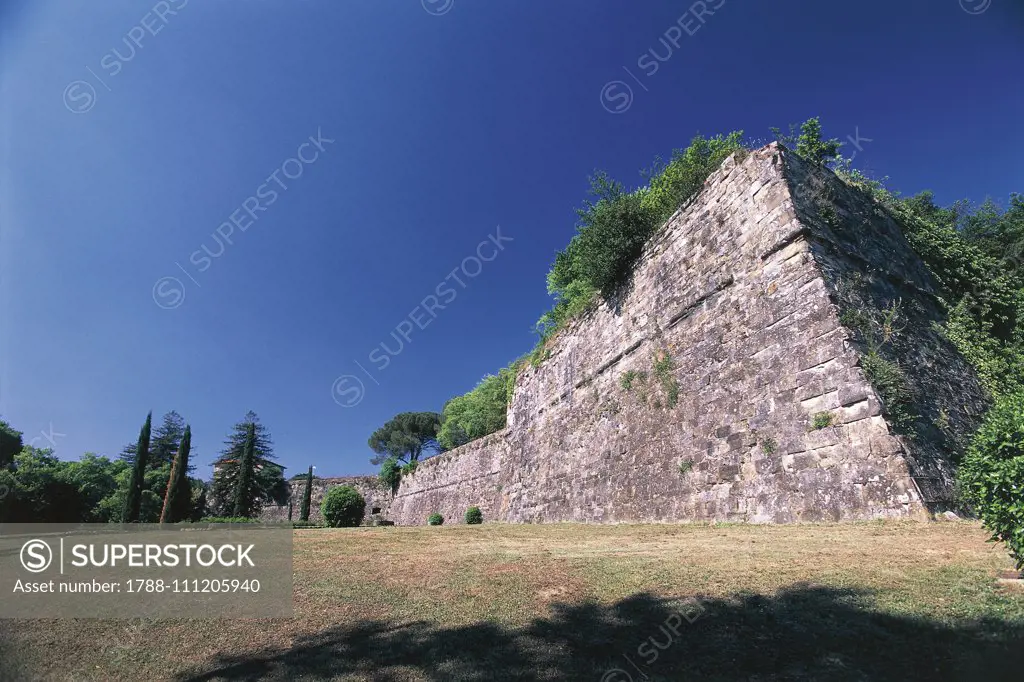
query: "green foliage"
889, 380
474, 516
268, 484
10, 443
40, 488
166, 440
435, 519
390, 473
809, 143
133, 496
991, 477
480, 412
405, 437
629, 378
977, 255
878, 329
685, 467
822, 420
769, 446
343, 507
614, 225
179, 489
246, 492
663, 371
612, 230
307, 496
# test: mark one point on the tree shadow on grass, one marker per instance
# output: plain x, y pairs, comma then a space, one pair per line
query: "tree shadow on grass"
803, 633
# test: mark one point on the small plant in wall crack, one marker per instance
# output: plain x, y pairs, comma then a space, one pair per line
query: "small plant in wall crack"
631, 378
636, 381
663, 371
769, 446
685, 467
822, 420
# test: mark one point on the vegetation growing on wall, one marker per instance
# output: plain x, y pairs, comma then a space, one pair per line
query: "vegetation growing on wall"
614, 225
479, 412
975, 253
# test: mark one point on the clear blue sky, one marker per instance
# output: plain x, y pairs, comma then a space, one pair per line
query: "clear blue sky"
448, 119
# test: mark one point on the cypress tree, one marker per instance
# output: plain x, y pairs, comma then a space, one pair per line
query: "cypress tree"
133, 500
178, 501
307, 496
243, 486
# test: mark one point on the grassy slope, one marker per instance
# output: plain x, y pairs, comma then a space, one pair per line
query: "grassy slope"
853, 601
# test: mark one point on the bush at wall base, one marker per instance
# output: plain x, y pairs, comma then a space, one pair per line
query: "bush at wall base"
474, 516
991, 477
435, 519
343, 507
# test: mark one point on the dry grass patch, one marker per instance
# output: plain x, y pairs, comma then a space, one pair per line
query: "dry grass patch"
848, 601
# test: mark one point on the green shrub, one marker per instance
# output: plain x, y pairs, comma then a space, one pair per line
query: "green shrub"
435, 519
343, 507
474, 516
991, 477
390, 473
822, 420
480, 412
614, 226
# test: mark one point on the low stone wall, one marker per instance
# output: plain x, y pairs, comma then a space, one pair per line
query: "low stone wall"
452, 482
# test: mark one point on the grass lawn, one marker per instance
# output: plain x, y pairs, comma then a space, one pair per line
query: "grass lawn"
865, 601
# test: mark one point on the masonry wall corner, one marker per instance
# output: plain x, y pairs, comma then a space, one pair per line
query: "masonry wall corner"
693, 395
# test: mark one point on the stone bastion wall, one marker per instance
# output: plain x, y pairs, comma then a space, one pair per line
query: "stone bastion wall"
727, 381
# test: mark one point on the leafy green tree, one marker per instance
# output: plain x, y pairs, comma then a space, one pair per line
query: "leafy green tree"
97, 478
991, 477
268, 475
10, 443
246, 490
343, 507
406, 437
307, 496
179, 488
133, 498
38, 490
